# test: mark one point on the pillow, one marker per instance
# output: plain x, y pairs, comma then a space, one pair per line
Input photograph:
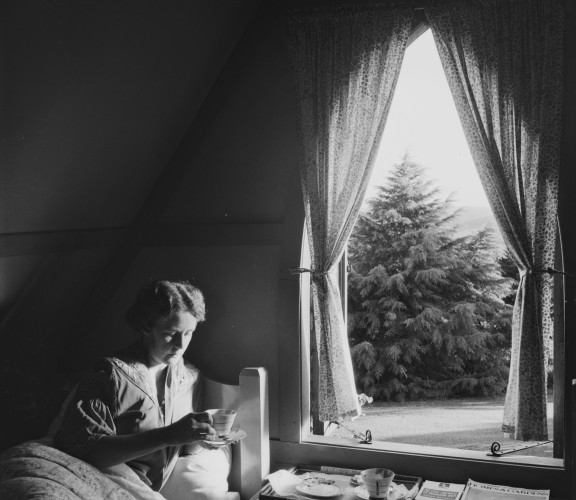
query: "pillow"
202, 476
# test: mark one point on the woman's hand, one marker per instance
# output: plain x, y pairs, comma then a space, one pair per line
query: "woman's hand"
203, 416
190, 428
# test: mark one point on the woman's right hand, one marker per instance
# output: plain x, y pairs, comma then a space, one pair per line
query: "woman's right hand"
190, 428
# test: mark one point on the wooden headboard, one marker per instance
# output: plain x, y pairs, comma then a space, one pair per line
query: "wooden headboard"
250, 456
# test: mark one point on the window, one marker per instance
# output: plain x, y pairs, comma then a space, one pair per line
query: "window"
402, 451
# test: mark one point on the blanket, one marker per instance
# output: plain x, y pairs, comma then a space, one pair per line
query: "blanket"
37, 471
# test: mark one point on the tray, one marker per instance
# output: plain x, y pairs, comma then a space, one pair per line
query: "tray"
267, 491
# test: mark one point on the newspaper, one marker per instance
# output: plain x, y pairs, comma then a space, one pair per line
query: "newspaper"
483, 491
433, 490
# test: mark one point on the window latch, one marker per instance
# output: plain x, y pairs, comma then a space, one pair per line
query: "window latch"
497, 451
363, 438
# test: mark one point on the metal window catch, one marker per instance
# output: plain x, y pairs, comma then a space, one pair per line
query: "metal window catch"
367, 437
496, 451
363, 438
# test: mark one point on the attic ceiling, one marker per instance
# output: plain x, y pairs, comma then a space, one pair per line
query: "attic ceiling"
96, 97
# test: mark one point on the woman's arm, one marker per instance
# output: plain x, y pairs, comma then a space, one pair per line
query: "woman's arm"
116, 449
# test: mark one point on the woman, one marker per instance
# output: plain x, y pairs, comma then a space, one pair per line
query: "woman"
137, 406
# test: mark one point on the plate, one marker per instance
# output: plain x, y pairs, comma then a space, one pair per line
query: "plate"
235, 435
319, 487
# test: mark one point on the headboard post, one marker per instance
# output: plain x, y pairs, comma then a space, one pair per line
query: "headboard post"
251, 455
253, 407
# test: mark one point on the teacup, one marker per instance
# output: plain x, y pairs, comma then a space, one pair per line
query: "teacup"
377, 481
222, 420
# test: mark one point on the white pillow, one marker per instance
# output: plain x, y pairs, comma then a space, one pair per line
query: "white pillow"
202, 476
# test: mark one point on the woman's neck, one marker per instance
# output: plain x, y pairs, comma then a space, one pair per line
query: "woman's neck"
157, 371
158, 374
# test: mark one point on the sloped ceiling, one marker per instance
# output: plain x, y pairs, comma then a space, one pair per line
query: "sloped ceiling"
96, 97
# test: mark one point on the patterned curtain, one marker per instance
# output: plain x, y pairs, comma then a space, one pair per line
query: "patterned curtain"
503, 62
346, 63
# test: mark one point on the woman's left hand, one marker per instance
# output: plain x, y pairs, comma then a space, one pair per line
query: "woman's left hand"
189, 429
204, 417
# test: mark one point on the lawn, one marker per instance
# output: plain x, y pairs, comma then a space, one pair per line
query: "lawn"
468, 424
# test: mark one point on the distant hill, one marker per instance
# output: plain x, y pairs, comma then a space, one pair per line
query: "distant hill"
473, 219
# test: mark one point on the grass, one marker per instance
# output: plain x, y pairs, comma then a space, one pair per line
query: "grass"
467, 424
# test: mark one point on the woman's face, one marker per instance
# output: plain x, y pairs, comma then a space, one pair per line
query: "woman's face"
168, 339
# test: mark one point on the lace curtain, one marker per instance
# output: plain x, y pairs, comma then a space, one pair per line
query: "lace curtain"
346, 63
503, 61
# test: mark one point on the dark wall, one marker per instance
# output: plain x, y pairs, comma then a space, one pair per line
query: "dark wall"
98, 100
96, 96
226, 220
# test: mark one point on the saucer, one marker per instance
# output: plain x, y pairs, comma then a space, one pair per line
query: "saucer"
232, 437
362, 492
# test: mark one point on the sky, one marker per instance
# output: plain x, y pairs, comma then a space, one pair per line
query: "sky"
423, 122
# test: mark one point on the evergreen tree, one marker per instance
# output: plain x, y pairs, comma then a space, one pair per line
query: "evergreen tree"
426, 317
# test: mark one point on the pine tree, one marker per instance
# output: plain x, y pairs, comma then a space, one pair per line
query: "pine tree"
426, 318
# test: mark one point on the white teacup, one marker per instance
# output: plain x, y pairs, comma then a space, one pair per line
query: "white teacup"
377, 481
222, 420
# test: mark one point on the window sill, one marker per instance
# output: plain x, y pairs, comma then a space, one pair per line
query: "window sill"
436, 464
435, 452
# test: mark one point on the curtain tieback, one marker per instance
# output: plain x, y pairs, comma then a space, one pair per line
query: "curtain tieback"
548, 270
301, 270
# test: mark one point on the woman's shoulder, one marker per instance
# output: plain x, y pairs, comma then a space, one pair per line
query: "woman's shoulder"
190, 371
128, 362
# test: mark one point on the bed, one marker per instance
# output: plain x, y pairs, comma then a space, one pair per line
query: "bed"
35, 470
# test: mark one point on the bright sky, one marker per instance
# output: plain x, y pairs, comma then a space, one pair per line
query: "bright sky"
423, 121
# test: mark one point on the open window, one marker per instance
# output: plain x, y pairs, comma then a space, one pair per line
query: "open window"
441, 461
441, 380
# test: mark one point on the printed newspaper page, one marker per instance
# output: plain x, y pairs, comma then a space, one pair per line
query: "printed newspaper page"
482, 491
432, 490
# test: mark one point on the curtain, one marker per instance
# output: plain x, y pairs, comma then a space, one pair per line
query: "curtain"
345, 63
503, 61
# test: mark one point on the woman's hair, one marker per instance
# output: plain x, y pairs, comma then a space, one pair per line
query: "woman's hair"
161, 299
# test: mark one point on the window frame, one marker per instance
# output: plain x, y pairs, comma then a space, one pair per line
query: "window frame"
296, 445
